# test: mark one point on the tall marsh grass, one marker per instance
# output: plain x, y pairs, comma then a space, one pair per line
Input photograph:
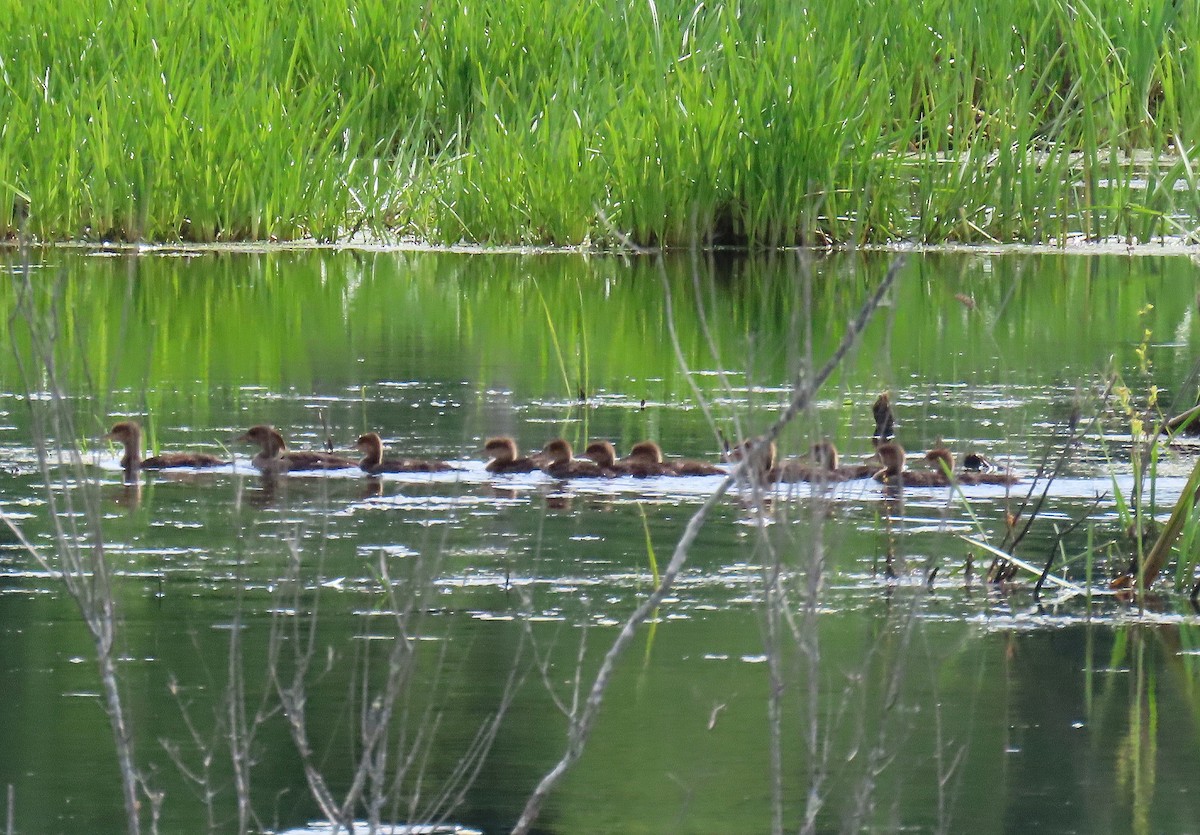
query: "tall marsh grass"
541, 121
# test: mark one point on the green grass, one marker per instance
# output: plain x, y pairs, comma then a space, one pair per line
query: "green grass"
543, 121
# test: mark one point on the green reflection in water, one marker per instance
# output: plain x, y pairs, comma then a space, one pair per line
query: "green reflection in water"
1020, 721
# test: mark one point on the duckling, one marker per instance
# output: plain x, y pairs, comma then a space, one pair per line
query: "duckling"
893, 473
645, 458
941, 474
760, 463
373, 462
129, 433
825, 455
603, 453
651, 453
975, 468
821, 466
563, 464
274, 457
506, 457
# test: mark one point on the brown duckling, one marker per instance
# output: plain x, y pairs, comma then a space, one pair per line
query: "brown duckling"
650, 452
373, 462
761, 465
506, 458
942, 473
639, 466
825, 457
274, 457
766, 470
563, 464
129, 434
975, 468
894, 473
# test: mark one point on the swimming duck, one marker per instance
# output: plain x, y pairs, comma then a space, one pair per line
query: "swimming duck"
975, 468
822, 466
129, 433
274, 457
894, 473
639, 465
649, 452
506, 457
825, 457
563, 464
760, 466
373, 462
941, 474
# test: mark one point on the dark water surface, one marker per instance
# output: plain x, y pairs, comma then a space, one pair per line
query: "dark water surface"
948, 706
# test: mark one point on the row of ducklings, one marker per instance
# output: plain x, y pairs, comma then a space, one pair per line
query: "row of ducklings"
599, 460
274, 457
887, 465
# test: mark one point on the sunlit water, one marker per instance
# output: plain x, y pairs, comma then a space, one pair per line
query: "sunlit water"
934, 699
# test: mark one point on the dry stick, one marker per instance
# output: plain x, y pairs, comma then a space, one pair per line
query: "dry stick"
1077, 434
1063, 534
82, 568
581, 728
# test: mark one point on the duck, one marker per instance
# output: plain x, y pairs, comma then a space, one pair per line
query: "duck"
506, 457
562, 462
760, 466
974, 468
274, 457
649, 452
639, 466
822, 466
941, 474
894, 473
763, 467
373, 462
129, 434
825, 456
885, 418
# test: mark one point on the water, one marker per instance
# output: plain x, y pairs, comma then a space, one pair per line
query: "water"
946, 705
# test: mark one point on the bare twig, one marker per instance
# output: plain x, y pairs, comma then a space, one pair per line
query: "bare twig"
580, 728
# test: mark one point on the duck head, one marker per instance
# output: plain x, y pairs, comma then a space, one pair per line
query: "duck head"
940, 459
892, 455
558, 451
602, 452
502, 449
268, 439
127, 432
370, 443
762, 459
647, 451
825, 455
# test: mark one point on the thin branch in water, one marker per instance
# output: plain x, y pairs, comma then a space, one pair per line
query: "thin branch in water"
580, 729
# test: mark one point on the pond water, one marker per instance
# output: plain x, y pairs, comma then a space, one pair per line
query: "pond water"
809, 661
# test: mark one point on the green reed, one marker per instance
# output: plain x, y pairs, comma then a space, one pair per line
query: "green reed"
667, 122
